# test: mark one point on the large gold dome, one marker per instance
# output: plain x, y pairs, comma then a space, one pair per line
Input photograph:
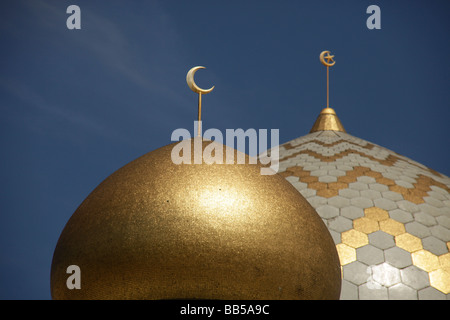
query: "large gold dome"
157, 230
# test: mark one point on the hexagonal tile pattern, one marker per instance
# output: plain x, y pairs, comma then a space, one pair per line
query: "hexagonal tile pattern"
401, 216
381, 240
367, 292
408, 242
366, 225
414, 277
376, 214
346, 253
392, 227
385, 274
327, 212
397, 257
425, 260
370, 255
388, 215
354, 238
402, 292
340, 224
417, 229
434, 245
352, 212
431, 293
440, 279
349, 291
356, 272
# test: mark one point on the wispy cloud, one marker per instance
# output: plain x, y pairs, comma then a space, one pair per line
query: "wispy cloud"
110, 44
32, 99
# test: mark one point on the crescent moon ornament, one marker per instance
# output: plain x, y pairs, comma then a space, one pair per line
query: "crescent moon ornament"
191, 83
330, 62
194, 87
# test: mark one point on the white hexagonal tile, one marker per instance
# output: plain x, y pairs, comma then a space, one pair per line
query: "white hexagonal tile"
401, 216
407, 206
352, 212
318, 173
385, 204
434, 245
441, 233
365, 179
402, 292
349, 291
349, 193
339, 202
431, 293
417, 229
433, 202
391, 195
415, 278
327, 212
369, 255
361, 202
372, 291
398, 257
381, 239
378, 187
431, 210
356, 272
358, 186
340, 224
317, 201
385, 274
443, 221
371, 194
425, 219
404, 184
307, 192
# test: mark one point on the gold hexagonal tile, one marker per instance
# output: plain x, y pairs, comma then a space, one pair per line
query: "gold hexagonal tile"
392, 227
376, 213
440, 279
425, 260
365, 225
408, 242
354, 238
444, 260
346, 253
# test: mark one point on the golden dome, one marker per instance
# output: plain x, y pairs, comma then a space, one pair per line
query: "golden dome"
157, 230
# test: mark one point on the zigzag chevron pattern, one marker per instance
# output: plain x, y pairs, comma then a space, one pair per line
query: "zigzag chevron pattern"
388, 215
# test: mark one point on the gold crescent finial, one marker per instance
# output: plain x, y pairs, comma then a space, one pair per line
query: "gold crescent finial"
329, 63
191, 83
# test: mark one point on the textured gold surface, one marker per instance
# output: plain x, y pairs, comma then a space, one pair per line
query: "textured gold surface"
425, 260
327, 120
365, 225
354, 238
156, 230
376, 214
346, 253
440, 279
444, 260
392, 227
408, 242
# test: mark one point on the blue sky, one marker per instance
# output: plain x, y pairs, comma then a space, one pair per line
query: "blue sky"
77, 105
